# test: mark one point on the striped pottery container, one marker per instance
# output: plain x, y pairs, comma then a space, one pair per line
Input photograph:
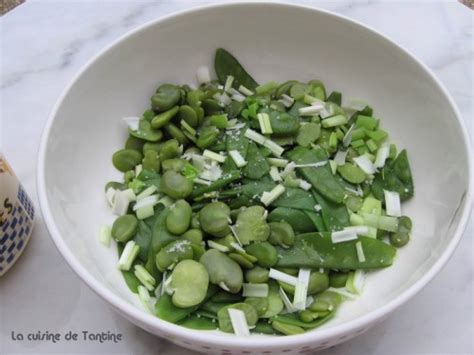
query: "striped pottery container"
16, 217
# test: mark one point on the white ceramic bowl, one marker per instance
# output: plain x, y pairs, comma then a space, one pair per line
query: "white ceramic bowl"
274, 41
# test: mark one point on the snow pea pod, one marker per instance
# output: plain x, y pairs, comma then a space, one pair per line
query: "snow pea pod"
335, 216
237, 141
225, 64
320, 177
317, 220
283, 124
298, 220
257, 166
160, 235
308, 133
315, 250
264, 328
143, 240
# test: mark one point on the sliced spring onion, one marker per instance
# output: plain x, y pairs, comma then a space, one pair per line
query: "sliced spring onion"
145, 298
146, 201
333, 166
121, 202
147, 192
187, 127
355, 282
245, 91
310, 110
360, 252
258, 138
286, 301
237, 158
343, 236
254, 136
334, 121
213, 156
392, 203
278, 162
382, 154
281, 276
203, 75
301, 289
303, 184
386, 223
346, 141
223, 99
365, 164
239, 322
288, 169
145, 277
324, 113
264, 121
218, 246
286, 100
132, 122
238, 97
130, 194
255, 290
268, 197
274, 174
312, 165
310, 100
212, 173
138, 169
202, 182
274, 148
234, 233
342, 292
145, 212
110, 195
165, 201
129, 254
340, 157
359, 230
309, 300
357, 192
228, 82
105, 235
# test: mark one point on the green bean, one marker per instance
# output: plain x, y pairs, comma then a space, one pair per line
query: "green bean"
176, 185
151, 161
282, 234
265, 253
179, 217
126, 159
164, 118
225, 323
189, 282
257, 275
193, 235
223, 271
172, 253
167, 95
124, 228
214, 219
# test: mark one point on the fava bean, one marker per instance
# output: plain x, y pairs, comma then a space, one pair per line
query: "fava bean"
134, 143
170, 149
146, 132
241, 260
167, 95
176, 133
179, 217
126, 159
282, 234
189, 281
193, 235
224, 319
164, 118
207, 136
172, 253
125, 228
265, 253
223, 271
287, 329
151, 161
189, 115
214, 219
176, 185
257, 275
351, 173
259, 303
251, 225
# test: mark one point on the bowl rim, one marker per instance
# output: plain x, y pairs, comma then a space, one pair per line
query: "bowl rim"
151, 321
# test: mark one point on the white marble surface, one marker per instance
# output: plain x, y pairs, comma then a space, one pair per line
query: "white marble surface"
43, 43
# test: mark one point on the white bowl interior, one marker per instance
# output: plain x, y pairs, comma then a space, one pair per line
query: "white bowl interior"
273, 42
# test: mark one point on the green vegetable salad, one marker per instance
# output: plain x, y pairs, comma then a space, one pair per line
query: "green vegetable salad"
254, 208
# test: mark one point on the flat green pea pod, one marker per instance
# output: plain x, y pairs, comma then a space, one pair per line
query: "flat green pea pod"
223, 271
287, 329
402, 236
176, 133
167, 95
126, 159
151, 146
308, 133
189, 282
173, 253
125, 228
251, 225
207, 136
351, 173
134, 143
225, 64
151, 161
225, 323
282, 234
284, 124
265, 253
189, 115
174, 164
179, 217
146, 132
259, 303
198, 323
275, 304
164, 118
170, 149
193, 235
257, 275
298, 220
176, 185
214, 219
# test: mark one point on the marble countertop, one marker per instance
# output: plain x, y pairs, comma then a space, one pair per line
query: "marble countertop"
44, 43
